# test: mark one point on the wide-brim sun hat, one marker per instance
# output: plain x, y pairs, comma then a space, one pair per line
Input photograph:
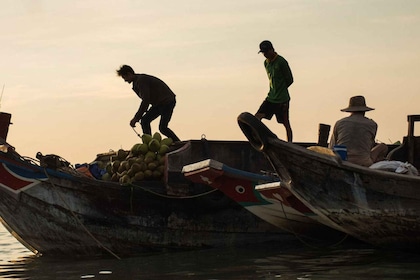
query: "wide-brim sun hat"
357, 104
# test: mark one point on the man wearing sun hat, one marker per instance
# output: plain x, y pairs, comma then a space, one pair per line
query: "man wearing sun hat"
358, 133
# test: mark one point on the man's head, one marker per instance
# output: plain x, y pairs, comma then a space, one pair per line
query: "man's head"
126, 72
267, 49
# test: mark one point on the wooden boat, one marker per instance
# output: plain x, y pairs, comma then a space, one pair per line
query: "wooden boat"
61, 212
277, 206
375, 206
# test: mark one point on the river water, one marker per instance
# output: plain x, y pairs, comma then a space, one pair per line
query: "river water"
348, 260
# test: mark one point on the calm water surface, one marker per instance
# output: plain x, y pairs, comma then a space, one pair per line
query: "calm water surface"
271, 261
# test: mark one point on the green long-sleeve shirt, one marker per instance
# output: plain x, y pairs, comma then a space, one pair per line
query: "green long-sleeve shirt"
280, 78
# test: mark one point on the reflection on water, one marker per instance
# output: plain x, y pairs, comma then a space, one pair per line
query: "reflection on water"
13, 256
271, 261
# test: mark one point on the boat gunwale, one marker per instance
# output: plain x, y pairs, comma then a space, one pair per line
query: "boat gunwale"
346, 166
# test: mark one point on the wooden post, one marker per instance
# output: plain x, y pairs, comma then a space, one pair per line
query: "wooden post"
324, 132
411, 143
4, 124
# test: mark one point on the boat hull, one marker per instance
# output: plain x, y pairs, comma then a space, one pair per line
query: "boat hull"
274, 204
378, 207
56, 213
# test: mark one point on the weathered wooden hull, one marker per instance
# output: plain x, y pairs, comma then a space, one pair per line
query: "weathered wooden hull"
274, 208
59, 214
378, 207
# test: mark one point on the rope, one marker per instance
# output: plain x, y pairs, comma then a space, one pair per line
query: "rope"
131, 206
172, 196
131, 198
79, 222
135, 131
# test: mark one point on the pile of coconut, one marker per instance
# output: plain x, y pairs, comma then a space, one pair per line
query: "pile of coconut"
145, 161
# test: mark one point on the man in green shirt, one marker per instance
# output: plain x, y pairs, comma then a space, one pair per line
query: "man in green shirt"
278, 98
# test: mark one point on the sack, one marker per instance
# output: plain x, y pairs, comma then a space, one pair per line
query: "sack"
96, 171
395, 166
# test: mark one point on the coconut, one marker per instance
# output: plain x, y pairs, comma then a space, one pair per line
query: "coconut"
131, 172
151, 166
135, 149
143, 149
149, 157
154, 145
146, 138
125, 164
161, 168
124, 180
115, 177
131, 161
163, 149
157, 136
139, 176
143, 166
108, 167
136, 167
162, 160
140, 159
121, 154
148, 174
115, 165
121, 168
106, 177
166, 141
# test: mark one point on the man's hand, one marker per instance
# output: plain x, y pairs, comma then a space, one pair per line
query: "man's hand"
133, 122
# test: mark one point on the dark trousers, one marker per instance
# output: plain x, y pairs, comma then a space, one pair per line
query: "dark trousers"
165, 112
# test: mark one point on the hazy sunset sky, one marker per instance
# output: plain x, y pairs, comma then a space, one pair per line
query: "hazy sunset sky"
58, 62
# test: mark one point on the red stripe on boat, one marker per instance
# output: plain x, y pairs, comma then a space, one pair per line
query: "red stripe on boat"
13, 181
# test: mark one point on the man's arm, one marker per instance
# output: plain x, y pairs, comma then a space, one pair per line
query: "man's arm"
287, 73
144, 105
333, 138
140, 112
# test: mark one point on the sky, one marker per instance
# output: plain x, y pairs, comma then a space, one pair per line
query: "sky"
58, 61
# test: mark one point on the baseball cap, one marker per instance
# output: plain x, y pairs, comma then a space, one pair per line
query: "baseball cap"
265, 46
